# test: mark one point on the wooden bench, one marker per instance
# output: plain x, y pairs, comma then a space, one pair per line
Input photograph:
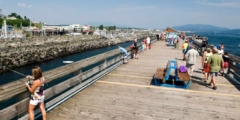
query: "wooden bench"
183, 76
162, 76
160, 73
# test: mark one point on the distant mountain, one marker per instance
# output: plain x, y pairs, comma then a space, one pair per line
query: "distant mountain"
200, 28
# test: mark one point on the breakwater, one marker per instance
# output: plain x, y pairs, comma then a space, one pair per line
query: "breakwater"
20, 52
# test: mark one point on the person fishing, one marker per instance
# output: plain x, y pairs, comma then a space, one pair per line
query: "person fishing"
124, 51
36, 90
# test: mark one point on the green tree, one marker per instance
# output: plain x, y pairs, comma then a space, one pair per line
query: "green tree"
18, 22
19, 17
114, 27
101, 27
25, 18
1, 22
38, 25
13, 15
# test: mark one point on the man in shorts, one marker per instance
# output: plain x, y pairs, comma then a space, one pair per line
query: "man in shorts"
125, 54
191, 58
216, 63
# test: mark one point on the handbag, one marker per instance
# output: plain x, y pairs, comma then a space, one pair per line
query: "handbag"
183, 69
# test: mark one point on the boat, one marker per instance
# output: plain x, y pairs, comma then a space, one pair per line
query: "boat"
68, 61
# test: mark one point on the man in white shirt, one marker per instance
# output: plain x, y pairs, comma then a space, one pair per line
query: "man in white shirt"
148, 42
221, 51
191, 58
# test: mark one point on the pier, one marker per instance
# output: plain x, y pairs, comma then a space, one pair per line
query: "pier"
126, 93
113, 90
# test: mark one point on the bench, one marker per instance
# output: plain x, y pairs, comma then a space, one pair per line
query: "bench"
163, 77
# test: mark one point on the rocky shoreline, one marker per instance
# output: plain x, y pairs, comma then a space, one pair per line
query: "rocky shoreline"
20, 52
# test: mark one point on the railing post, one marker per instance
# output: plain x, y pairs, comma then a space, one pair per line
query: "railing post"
229, 67
78, 73
104, 65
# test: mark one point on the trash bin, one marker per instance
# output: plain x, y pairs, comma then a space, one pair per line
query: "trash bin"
177, 45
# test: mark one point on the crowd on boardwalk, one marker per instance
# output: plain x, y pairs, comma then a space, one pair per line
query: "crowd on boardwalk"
214, 61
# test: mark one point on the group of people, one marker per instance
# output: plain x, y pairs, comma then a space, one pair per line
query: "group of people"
145, 45
214, 61
161, 36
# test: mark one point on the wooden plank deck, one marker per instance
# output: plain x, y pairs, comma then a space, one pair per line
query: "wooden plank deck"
126, 94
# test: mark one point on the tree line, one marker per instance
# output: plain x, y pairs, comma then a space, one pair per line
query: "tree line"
101, 27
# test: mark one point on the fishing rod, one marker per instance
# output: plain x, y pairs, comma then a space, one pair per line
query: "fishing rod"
5, 68
29, 82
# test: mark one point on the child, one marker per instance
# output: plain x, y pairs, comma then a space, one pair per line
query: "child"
226, 62
143, 46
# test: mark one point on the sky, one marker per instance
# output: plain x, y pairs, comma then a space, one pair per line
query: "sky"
153, 14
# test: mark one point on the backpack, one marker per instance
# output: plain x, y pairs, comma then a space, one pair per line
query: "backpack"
183, 69
218, 47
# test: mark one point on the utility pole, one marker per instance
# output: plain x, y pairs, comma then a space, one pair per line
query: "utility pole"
4, 30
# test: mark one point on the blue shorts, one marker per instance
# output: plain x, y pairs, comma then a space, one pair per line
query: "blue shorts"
214, 74
184, 50
125, 55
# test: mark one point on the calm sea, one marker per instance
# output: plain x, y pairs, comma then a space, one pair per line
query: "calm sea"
231, 41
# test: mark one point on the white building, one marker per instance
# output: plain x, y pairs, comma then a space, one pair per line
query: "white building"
11, 18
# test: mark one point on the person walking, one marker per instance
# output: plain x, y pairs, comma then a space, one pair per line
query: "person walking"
135, 49
36, 90
191, 58
216, 63
184, 49
157, 37
206, 67
226, 63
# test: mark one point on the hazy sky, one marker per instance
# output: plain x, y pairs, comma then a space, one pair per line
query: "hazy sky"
137, 13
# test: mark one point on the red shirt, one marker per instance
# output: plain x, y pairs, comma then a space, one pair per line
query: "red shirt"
145, 41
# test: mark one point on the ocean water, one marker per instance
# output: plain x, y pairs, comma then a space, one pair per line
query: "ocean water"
231, 41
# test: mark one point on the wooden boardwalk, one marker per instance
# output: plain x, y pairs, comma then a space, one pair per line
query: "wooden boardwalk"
126, 94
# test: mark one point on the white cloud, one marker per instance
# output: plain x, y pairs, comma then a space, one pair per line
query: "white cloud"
219, 4
24, 5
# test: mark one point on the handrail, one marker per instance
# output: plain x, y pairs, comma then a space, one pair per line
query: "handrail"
21, 106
